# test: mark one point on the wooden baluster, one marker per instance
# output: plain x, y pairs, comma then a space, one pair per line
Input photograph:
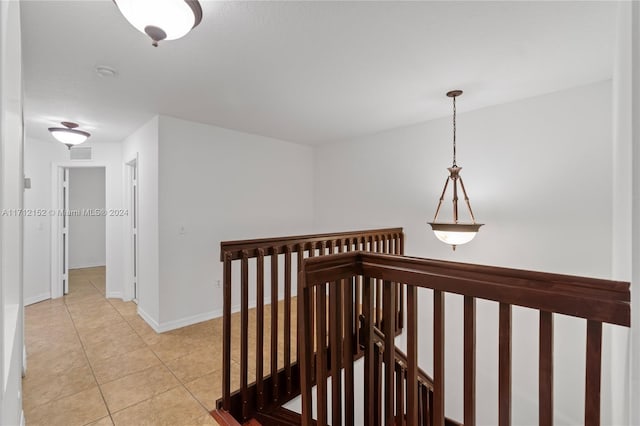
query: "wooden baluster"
368, 311
348, 352
260, 328
428, 404
358, 303
305, 343
300, 257
438, 358
545, 370
377, 386
378, 249
335, 345
287, 318
504, 365
422, 418
314, 315
469, 361
226, 326
321, 252
412, 355
274, 324
244, 332
389, 316
593, 367
401, 287
400, 384
321, 353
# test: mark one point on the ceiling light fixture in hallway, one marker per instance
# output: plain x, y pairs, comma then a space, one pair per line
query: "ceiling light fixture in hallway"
69, 134
161, 19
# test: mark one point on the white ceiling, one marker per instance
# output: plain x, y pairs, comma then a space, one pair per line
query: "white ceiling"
306, 72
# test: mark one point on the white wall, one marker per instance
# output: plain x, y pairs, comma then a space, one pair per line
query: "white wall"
11, 198
218, 184
143, 145
40, 158
87, 232
539, 175
634, 72
616, 339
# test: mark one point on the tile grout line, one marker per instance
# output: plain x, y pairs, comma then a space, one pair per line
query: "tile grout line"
181, 384
84, 351
59, 397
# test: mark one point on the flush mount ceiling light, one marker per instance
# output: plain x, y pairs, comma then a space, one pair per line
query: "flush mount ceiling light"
456, 232
161, 19
68, 134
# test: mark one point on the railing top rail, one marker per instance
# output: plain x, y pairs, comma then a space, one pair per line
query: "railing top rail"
590, 298
235, 248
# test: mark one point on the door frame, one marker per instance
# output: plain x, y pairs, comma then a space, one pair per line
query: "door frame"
132, 279
57, 173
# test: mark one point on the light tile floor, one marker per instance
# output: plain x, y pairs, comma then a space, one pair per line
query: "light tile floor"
94, 361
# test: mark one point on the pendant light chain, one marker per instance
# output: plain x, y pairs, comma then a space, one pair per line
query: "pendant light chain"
454, 132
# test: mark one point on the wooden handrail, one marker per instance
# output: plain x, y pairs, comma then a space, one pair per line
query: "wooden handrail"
279, 244
589, 298
596, 300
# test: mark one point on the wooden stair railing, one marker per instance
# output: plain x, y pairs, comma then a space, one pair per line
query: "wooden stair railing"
335, 277
259, 263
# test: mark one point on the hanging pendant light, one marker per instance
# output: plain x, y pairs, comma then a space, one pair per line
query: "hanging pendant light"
161, 19
455, 232
68, 134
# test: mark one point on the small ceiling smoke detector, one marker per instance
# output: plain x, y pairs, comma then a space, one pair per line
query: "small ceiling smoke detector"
105, 71
68, 134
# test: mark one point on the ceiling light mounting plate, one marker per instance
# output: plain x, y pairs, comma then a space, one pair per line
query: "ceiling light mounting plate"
454, 93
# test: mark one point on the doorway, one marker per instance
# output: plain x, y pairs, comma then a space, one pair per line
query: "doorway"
79, 227
86, 229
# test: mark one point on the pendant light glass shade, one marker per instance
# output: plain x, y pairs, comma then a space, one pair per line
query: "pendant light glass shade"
161, 19
68, 134
455, 233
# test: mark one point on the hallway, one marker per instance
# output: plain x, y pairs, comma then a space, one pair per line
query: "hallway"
94, 361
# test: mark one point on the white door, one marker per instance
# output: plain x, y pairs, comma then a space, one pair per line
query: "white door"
65, 231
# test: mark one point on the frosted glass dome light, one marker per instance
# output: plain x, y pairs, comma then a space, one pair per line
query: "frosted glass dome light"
68, 134
455, 234
161, 19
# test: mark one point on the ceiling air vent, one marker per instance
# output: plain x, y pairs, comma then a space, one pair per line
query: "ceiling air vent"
81, 153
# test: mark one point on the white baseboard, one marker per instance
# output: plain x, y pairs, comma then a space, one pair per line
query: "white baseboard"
85, 266
183, 322
152, 323
23, 421
114, 295
35, 299
194, 319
